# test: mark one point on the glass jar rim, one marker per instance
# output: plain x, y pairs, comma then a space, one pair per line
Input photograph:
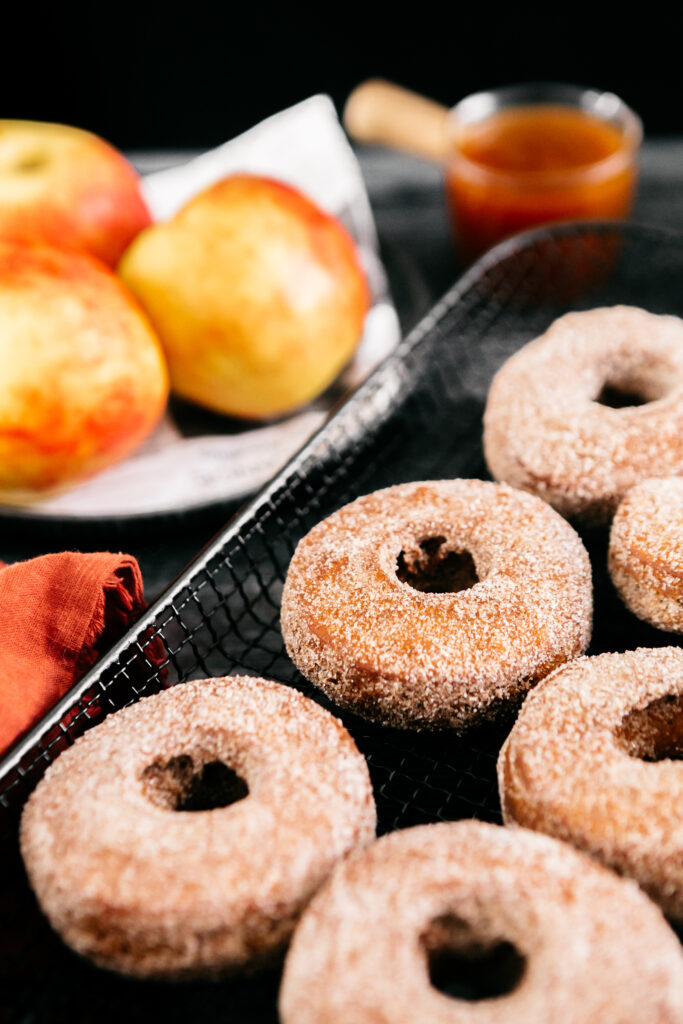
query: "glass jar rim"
606, 106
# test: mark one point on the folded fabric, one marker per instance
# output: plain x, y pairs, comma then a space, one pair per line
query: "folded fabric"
57, 614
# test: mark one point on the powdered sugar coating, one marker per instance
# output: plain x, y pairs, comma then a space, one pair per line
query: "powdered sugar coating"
389, 652
545, 432
148, 890
572, 765
597, 950
646, 552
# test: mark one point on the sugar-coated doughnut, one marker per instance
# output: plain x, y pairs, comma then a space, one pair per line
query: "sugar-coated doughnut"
594, 758
373, 611
135, 875
572, 942
646, 552
546, 431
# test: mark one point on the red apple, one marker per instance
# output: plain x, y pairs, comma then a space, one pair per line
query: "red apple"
257, 296
65, 187
83, 376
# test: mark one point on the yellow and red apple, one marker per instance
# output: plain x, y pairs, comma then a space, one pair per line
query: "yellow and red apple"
83, 377
68, 188
256, 294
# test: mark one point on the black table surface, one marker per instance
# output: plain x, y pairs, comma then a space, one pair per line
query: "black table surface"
408, 201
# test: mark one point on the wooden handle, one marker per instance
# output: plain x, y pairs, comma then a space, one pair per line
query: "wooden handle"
380, 112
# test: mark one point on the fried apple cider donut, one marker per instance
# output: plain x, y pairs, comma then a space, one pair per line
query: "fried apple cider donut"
555, 937
375, 613
646, 552
594, 759
133, 868
548, 430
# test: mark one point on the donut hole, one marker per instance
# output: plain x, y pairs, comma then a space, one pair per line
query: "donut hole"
618, 398
655, 732
632, 385
465, 966
434, 568
182, 785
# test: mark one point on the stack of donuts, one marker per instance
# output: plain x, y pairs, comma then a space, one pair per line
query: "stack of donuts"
194, 833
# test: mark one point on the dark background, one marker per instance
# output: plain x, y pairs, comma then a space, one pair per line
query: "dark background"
148, 76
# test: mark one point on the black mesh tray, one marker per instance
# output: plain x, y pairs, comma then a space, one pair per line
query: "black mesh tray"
418, 417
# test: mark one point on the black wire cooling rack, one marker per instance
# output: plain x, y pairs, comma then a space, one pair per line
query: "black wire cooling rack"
418, 417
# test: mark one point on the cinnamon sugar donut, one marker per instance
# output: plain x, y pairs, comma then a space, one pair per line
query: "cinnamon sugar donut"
646, 552
570, 942
132, 868
546, 431
375, 614
594, 758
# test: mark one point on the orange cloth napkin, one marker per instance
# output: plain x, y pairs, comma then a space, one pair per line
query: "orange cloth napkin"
57, 614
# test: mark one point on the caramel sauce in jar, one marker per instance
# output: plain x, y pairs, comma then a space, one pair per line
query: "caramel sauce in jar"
531, 164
